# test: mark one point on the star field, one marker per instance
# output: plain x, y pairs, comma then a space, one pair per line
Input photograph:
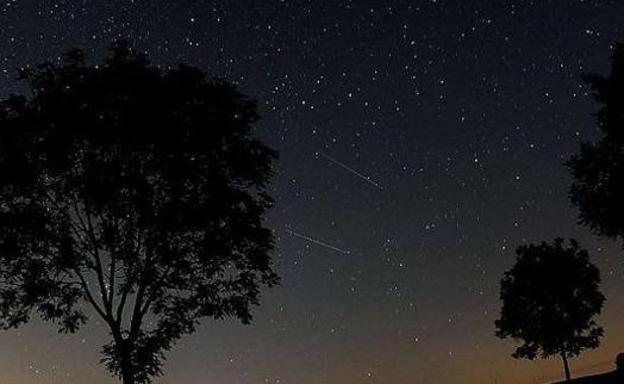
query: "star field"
420, 142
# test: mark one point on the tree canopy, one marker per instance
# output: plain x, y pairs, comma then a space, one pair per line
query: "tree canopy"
138, 190
549, 300
598, 168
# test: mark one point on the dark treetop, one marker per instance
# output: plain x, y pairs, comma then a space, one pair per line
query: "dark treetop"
550, 298
135, 189
598, 169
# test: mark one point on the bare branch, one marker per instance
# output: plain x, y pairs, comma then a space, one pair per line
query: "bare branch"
90, 231
90, 297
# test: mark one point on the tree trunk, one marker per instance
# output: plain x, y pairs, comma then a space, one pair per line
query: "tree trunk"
127, 370
566, 367
127, 377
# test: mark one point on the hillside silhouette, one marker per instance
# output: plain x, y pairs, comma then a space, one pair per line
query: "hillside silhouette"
613, 377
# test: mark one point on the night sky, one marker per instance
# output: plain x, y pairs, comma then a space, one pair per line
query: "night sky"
421, 142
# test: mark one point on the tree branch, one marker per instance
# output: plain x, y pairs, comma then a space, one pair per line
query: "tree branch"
113, 272
90, 231
138, 312
128, 284
90, 297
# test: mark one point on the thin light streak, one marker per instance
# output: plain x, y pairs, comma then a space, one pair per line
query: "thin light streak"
317, 242
351, 170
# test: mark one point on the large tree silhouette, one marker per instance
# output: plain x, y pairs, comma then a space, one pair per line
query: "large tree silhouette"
550, 298
137, 190
598, 168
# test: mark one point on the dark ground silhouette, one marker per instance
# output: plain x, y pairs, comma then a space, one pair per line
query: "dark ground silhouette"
613, 377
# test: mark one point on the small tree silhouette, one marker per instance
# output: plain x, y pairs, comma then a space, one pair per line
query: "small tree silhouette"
598, 169
550, 298
137, 190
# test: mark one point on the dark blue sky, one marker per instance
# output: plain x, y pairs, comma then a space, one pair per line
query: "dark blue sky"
421, 142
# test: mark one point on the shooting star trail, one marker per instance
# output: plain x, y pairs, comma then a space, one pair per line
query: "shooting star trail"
317, 242
351, 170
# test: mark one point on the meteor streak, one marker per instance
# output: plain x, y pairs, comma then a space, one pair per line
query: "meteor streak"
317, 242
351, 170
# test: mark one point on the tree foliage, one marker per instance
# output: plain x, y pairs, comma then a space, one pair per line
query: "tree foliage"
137, 190
549, 300
598, 168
